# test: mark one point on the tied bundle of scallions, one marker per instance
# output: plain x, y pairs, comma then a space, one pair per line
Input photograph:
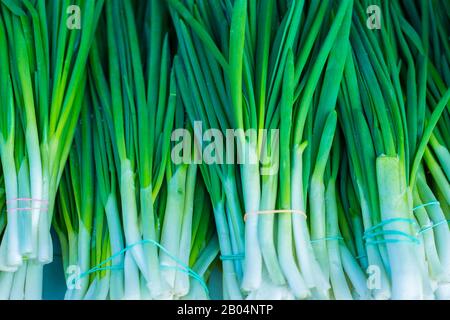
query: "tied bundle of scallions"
299, 149
390, 128
246, 82
41, 89
136, 226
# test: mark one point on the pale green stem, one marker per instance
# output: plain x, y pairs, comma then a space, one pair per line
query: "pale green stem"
339, 284
393, 195
171, 230
182, 278
252, 194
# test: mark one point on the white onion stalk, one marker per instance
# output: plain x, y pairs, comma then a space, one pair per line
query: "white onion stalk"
182, 281
394, 203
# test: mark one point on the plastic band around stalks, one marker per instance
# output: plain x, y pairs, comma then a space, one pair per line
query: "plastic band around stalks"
432, 225
300, 212
183, 267
370, 233
27, 199
332, 238
44, 203
238, 256
431, 203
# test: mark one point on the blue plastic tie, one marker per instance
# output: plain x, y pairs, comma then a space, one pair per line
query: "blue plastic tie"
327, 239
388, 221
431, 203
371, 233
432, 226
238, 256
184, 268
374, 242
408, 237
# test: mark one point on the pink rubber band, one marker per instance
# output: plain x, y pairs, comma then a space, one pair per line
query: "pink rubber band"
26, 209
26, 199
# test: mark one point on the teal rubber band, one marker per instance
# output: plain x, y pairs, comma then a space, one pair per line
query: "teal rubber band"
431, 203
238, 256
391, 232
388, 221
103, 269
327, 239
432, 226
384, 241
184, 268
372, 233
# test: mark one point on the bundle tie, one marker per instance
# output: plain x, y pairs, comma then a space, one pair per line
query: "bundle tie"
238, 256
300, 212
431, 225
183, 267
332, 238
431, 203
30, 208
371, 233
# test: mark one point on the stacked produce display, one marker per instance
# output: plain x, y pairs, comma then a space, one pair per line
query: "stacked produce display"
298, 149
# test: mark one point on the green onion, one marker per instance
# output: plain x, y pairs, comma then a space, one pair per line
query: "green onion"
43, 86
286, 146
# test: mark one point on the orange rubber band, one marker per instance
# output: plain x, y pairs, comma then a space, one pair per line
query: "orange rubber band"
300, 212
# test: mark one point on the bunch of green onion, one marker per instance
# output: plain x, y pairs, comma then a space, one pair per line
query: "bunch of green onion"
156, 241
335, 184
255, 77
41, 88
388, 120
